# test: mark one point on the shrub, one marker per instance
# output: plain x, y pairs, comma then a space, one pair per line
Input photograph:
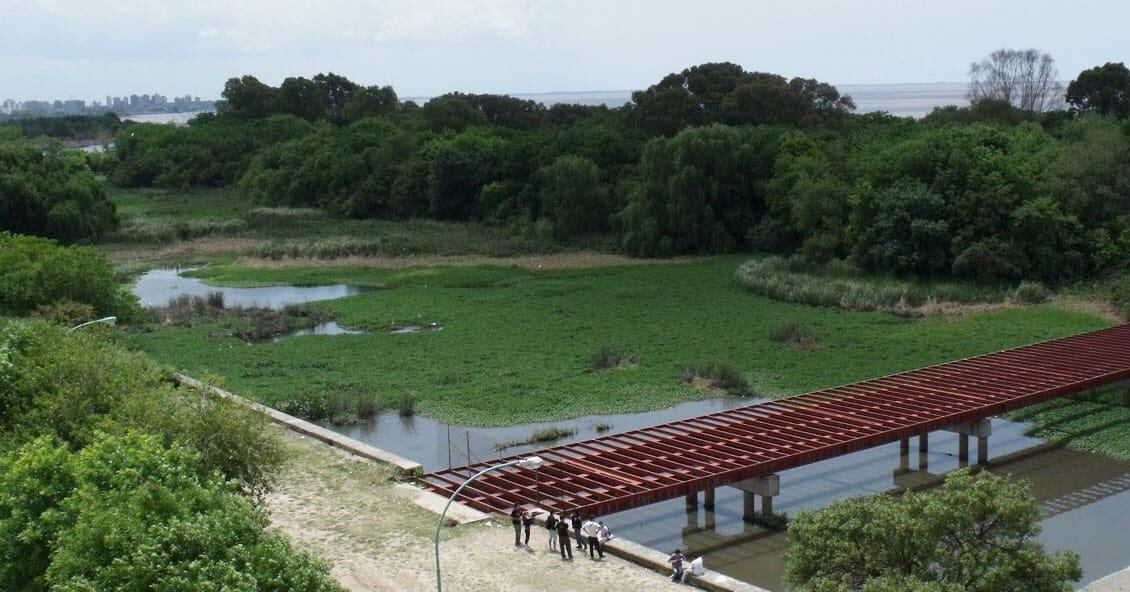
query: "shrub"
37, 272
65, 312
717, 375
321, 249
611, 357
1031, 293
794, 333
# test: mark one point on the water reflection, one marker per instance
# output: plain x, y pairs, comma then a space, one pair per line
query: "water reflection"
156, 287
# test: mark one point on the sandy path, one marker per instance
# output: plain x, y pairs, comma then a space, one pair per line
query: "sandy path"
346, 511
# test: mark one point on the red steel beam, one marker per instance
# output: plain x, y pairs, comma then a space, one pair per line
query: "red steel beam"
647, 465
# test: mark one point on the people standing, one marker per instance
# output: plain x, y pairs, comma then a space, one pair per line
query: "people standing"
527, 520
516, 522
563, 538
591, 531
605, 534
551, 526
676, 560
577, 531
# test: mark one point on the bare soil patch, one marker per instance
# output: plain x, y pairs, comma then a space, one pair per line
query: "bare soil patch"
347, 511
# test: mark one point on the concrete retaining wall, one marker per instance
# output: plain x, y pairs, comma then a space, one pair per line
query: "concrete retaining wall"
405, 469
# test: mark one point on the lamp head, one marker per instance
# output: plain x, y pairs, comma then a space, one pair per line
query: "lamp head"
532, 462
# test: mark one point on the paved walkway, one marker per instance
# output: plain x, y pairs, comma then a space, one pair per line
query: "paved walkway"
1115, 582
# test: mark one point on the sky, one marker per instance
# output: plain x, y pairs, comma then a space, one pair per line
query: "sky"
59, 49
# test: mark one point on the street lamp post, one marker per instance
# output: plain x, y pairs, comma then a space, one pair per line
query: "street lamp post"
110, 320
532, 462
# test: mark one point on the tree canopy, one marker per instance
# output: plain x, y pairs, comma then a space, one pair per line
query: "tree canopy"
1103, 89
974, 534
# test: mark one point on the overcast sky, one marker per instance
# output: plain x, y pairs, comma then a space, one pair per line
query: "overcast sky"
87, 49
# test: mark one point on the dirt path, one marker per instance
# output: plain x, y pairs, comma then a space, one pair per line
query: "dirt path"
345, 510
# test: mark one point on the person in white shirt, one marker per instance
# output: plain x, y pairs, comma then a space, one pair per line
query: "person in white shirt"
591, 530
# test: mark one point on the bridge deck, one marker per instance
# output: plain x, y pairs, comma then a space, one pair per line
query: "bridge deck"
639, 467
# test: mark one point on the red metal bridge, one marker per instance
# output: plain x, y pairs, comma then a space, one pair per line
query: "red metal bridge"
639, 467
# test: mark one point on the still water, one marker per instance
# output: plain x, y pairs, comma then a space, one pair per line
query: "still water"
156, 287
1082, 492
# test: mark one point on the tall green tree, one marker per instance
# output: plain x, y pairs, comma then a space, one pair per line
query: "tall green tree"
1103, 89
573, 197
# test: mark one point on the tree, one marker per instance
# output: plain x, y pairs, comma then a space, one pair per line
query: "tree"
1025, 78
574, 197
301, 97
370, 101
246, 97
1103, 89
696, 192
975, 534
450, 112
336, 91
901, 229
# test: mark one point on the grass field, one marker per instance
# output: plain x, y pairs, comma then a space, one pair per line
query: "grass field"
517, 344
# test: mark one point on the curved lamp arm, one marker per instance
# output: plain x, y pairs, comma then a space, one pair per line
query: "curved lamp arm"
110, 320
533, 462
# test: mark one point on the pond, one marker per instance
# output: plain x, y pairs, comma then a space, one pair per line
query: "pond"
156, 287
1082, 492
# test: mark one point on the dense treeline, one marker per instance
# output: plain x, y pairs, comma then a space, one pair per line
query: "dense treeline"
710, 159
50, 191
67, 127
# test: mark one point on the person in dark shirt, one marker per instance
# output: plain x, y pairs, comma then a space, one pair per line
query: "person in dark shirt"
527, 520
551, 526
563, 538
576, 520
516, 522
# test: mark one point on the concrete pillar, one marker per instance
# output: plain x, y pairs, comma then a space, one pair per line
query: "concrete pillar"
963, 449
904, 454
767, 487
981, 429
923, 451
692, 500
708, 499
983, 450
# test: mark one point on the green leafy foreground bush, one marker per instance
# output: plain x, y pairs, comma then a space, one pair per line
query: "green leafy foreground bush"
38, 272
113, 479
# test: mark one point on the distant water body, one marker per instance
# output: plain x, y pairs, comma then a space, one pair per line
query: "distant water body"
904, 100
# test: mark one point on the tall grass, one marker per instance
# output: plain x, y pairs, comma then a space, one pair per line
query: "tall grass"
791, 280
144, 229
259, 217
251, 324
549, 434
329, 248
611, 357
717, 375
796, 334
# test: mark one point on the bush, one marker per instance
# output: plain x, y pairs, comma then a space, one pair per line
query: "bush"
611, 357
37, 272
1031, 293
65, 312
128, 513
717, 375
320, 249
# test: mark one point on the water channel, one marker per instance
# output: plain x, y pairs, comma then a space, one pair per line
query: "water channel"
1084, 495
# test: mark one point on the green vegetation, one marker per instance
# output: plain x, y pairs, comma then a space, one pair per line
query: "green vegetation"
49, 191
1094, 421
517, 343
609, 356
974, 534
711, 159
36, 272
841, 286
251, 324
539, 436
794, 333
717, 375
111, 478
69, 127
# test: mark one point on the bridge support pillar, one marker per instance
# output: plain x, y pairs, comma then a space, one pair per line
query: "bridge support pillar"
767, 487
981, 429
904, 454
708, 499
923, 451
749, 511
692, 500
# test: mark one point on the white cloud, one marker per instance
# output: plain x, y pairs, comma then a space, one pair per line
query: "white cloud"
207, 32
455, 20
